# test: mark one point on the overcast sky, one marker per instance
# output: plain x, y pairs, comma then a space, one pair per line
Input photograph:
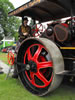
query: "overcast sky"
18, 3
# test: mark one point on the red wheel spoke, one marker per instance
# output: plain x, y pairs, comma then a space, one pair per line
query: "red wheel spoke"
38, 51
42, 78
45, 64
32, 76
36, 26
11, 61
29, 54
41, 27
34, 33
10, 58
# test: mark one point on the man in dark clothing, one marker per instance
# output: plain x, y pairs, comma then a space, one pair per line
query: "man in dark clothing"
24, 30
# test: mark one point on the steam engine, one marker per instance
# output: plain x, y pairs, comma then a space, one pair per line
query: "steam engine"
63, 34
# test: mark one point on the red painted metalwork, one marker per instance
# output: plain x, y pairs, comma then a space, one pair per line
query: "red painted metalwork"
10, 58
37, 29
41, 63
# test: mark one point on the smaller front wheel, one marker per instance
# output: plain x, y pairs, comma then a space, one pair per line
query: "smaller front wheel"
10, 58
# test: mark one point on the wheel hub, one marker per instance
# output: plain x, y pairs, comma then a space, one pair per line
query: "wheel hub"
33, 66
27, 67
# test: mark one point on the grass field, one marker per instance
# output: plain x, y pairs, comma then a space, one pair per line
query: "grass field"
11, 89
3, 57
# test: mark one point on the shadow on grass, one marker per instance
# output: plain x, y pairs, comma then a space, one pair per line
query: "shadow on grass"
66, 91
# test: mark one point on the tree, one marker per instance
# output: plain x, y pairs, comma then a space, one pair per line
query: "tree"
8, 25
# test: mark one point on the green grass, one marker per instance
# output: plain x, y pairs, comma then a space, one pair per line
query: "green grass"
11, 89
3, 57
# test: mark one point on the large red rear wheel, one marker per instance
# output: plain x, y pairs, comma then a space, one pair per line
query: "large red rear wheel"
44, 61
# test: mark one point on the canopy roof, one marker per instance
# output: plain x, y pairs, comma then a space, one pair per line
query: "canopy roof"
44, 10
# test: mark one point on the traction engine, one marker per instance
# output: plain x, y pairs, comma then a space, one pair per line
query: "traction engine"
42, 62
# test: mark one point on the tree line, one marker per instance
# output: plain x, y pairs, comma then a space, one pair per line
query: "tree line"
8, 25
